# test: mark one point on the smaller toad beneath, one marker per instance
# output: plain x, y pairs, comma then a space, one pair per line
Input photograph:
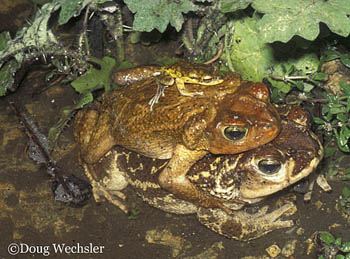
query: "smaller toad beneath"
248, 177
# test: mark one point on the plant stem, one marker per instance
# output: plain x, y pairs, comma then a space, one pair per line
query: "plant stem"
226, 49
120, 39
286, 78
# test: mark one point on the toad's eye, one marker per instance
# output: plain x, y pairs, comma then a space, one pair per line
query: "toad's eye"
234, 133
269, 166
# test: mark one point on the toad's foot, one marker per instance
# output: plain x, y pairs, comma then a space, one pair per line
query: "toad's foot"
101, 190
112, 196
242, 225
183, 89
160, 92
173, 179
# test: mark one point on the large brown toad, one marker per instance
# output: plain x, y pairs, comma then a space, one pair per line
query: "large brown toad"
248, 177
228, 118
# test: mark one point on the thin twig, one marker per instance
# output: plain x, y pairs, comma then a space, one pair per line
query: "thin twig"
120, 38
227, 53
321, 100
217, 56
286, 78
187, 42
189, 29
83, 36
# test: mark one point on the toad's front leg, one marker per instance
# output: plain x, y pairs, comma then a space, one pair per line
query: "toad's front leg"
180, 84
173, 178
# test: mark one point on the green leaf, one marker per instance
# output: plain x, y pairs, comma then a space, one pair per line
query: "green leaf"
290, 70
166, 61
345, 87
341, 140
337, 108
227, 6
255, 60
308, 87
346, 193
329, 151
320, 127
347, 171
134, 213
347, 256
339, 256
329, 55
94, 79
285, 18
335, 123
72, 8
4, 39
318, 120
85, 99
325, 109
29, 43
69, 9
135, 37
327, 237
347, 108
344, 135
157, 14
329, 117
342, 117
332, 171
275, 95
345, 59
6, 75
299, 85
36, 37
319, 76
125, 65
338, 241
56, 130
331, 98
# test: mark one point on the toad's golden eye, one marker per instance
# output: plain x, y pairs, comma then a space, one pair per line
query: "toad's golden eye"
234, 133
269, 166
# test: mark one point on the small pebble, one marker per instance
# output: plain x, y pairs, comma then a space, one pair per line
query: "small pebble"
273, 250
300, 231
289, 248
